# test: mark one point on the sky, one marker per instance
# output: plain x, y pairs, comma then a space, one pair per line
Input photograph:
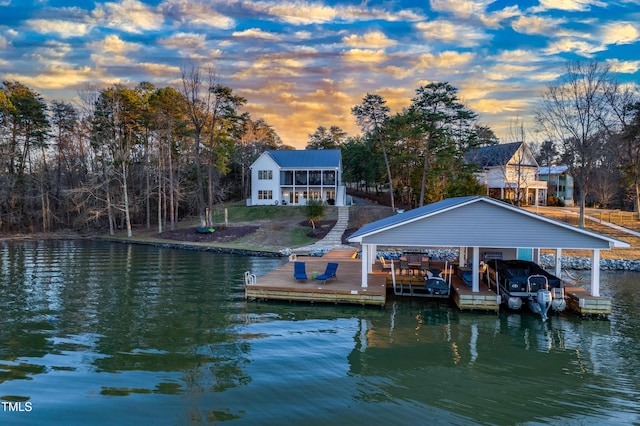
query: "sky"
302, 64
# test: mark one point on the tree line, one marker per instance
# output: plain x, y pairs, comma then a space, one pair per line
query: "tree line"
146, 156
125, 156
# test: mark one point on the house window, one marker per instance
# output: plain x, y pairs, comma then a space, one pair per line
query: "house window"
314, 178
266, 194
286, 177
329, 177
265, 174
301, 177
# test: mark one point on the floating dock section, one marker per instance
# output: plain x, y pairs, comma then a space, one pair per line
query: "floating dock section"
579, 300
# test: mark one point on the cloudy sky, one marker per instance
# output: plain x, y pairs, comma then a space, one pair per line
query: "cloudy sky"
304, 63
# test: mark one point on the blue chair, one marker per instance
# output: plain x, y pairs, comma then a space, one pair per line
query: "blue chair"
299, 272
330, 272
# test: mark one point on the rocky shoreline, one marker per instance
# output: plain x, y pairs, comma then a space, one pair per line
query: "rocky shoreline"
546, 260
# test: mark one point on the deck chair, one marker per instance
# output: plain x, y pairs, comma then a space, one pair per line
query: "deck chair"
299, 272
404, 266
330, 272
424, 265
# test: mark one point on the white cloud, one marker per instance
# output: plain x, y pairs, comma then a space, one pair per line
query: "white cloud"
370, 40
128, 15
190, 12
460, 8
365, 55
299, 13
256, 33
446, 59
114, 45
184, 41
619, 33
569, 5
578, 47
57, 77
449, 32
64, 29
623, 67
537, 25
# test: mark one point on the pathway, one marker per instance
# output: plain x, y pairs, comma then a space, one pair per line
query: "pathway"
332, 240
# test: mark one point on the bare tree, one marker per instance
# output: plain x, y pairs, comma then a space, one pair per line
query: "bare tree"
569, 112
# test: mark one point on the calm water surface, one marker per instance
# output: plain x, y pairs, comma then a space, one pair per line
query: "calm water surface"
97, 333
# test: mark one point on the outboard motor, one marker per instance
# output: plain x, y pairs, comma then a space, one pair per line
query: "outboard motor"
558, 303
544, 299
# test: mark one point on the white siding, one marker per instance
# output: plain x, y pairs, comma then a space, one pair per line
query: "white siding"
483, 225
265, 162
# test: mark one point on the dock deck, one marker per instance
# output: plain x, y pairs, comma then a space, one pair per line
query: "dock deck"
347, 288
580, 301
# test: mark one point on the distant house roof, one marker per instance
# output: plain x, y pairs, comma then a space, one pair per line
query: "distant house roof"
552, 170
478, 221
493, 155
307, 158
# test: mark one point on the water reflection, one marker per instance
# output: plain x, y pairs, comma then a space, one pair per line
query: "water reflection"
165, 336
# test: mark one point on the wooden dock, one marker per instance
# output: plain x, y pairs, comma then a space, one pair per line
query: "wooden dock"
347, 288
579, 300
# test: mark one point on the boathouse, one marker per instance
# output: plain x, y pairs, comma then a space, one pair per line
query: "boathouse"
480, 226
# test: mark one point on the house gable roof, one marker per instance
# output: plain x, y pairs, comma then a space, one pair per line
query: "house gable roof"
499, 155
478, 221
307, 158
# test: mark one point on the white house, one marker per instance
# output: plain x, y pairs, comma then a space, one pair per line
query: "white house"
560, 182
509, 171
292, 177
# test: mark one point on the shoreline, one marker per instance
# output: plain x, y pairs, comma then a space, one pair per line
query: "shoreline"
546, 260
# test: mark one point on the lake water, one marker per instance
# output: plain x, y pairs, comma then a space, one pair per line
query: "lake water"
98, 333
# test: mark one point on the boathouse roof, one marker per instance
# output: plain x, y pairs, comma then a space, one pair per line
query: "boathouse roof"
479, 221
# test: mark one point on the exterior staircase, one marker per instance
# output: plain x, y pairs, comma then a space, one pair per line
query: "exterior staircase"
332, 240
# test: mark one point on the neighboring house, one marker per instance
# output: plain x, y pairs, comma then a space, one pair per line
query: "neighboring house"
509, 171
293, 177
560, 182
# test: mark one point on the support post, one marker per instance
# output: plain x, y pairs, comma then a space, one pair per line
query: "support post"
475, 283
462, 256
372, 257
558, 270
365, 264
595, 273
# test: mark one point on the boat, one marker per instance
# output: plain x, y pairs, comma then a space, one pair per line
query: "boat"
523, 282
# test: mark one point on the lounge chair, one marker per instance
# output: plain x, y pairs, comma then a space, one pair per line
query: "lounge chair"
299, 272
330, 272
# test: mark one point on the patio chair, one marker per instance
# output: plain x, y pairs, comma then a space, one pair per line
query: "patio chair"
299, 272
404, 266
424, 265
330, 272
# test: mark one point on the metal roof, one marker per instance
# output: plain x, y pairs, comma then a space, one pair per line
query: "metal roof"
307, 158
493, 155
482, 221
